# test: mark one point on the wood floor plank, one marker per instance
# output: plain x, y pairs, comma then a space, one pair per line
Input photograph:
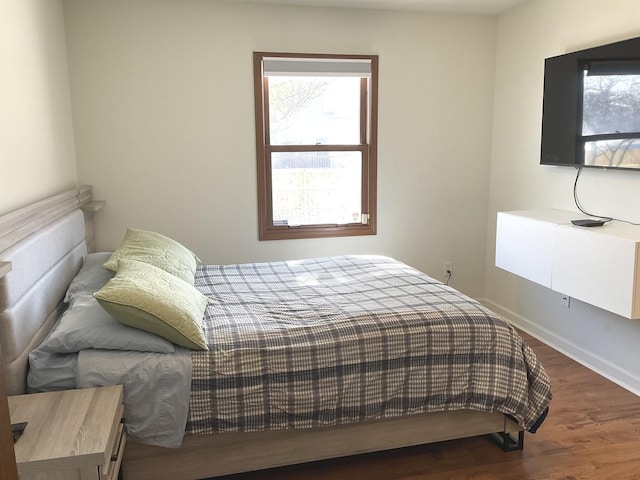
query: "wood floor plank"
592, 433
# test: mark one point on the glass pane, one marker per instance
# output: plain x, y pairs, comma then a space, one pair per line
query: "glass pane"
611, 104
312, 188
623, 153
314, 110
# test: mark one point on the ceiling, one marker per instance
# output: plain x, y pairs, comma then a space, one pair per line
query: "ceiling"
485, 7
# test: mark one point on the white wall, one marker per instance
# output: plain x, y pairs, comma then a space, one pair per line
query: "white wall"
525, 37
37, 156
163, 109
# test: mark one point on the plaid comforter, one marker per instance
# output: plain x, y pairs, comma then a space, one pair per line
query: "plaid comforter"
328, 341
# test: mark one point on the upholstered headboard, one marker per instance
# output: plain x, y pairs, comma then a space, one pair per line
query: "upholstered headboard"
46, 249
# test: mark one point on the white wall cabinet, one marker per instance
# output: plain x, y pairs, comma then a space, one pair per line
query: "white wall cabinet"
597, 265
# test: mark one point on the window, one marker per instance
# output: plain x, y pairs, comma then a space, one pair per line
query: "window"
610, 114
316, 130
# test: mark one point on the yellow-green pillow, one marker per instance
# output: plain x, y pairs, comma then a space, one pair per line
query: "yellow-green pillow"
146, 297
157, 250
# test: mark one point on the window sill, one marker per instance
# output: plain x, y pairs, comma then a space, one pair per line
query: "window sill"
290, 233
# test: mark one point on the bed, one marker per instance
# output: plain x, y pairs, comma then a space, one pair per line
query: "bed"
275, 386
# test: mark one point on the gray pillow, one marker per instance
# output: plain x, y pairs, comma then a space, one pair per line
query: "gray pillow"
91, 277
87, 325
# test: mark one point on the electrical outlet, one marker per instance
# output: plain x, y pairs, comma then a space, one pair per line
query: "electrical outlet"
448, 268
565, 301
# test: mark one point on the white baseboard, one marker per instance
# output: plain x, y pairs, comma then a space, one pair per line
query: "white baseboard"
598, 364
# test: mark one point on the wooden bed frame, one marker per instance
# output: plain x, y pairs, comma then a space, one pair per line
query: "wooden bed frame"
219, 454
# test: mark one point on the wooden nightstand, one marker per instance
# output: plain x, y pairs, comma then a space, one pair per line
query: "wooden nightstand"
72, 434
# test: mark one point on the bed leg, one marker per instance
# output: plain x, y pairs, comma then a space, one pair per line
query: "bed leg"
508, 442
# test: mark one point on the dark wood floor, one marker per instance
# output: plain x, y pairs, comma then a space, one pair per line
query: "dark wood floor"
592, 432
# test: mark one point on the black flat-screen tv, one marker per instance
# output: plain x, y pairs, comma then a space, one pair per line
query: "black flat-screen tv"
591, 107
